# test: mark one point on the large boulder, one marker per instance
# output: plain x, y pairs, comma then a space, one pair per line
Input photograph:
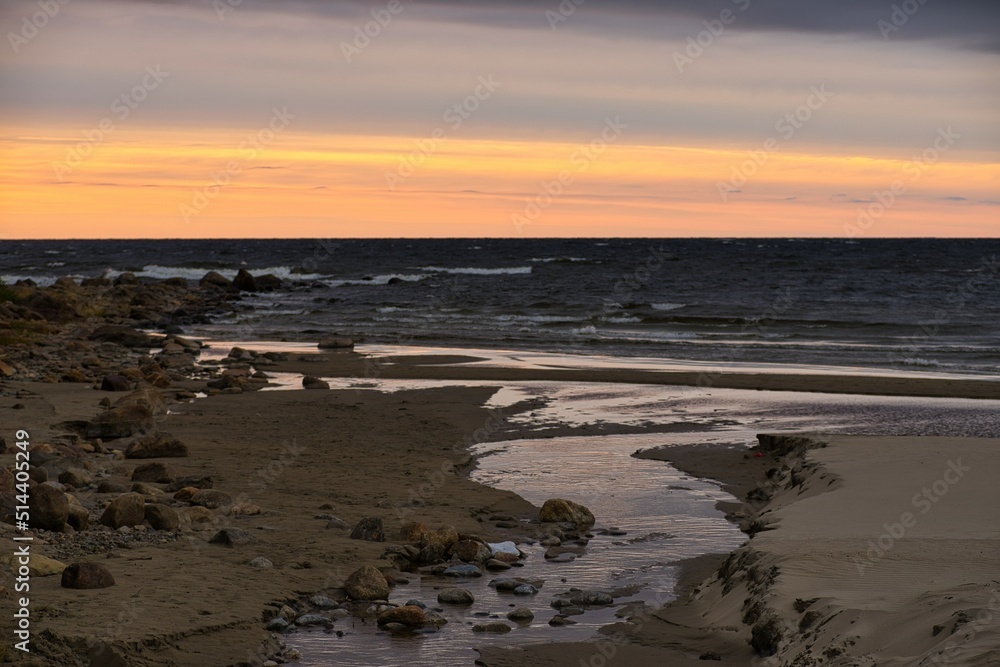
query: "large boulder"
558, 510
268, 282
154, 471
156, 445
215, 279
471, 551
244, 281
410, 616
127, 336
48, 507
115, 383
367, 583
128, 509
87, 575
370, 528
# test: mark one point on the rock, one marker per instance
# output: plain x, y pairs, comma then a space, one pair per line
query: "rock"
6, 370
76, 477
244, 509
215, 279
277, 625
115, 383
455, 596
211, 498
412, 531
86, 576
307, 620
495, 627
121, 422
463, 570
558, 621
186, 494
710, 655
557, 510
38, 565
509, 584
48, 507
268, 282
199, 515
334, 343
261, 563
370, 529
162, 517
497, 565
156, 445
127, 336
471, 551
310, 382
591, 598
155, 472
233, 537
337, 523
244, 281
192, 481
78, 519
107, 486
445, 536
323, 602
525, 589
409, 616
509, 548
144, 489
367, 583
128, 509
520, 615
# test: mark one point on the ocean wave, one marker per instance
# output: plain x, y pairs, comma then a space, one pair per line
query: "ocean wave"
55, 264
667, 306
379, 280
623, 320
515, 270
161, 272
537, 319
918, 361
566, 260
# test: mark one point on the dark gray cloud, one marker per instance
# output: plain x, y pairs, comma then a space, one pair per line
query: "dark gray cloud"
969, 24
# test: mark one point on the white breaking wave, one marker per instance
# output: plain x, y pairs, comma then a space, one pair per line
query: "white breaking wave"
516, 270
667, 306
379, 280
917, 361
161, 272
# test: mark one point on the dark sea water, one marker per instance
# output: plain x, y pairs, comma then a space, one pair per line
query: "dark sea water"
923, 304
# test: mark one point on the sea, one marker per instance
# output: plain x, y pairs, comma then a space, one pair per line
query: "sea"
918, 305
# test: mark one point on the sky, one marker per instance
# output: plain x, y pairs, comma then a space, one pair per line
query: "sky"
261, 118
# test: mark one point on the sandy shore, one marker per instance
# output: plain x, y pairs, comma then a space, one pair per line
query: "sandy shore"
299, 455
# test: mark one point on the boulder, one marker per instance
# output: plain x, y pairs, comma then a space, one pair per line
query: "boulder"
155, 472
87, 575
79, 518
233, 537
199, 515
162, 517
39, 565
76, 477
412, 531
558, 510
211, 499
244, 281
463, 571
115, 383
107, 486
590, 599
127, 336
471, 551
370, 529
335, 343
268, 282
310, 382
127, 509
456, 596
156, 445
410, 616
215, 279
48, 507
367, 583
520, 615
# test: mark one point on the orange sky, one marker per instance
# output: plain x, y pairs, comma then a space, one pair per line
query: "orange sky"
160, 184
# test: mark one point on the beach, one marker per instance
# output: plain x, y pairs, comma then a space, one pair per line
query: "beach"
844, 566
